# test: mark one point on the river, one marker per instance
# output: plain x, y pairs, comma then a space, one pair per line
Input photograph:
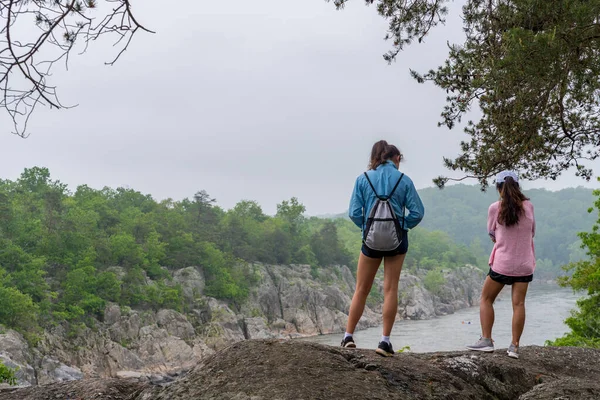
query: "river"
546, 305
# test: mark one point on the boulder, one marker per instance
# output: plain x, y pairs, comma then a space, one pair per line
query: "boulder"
126, 329
112, 314
51, 370
14, 353
175, 323
161, 352
444, 309
415, 302
256, 328
191, 281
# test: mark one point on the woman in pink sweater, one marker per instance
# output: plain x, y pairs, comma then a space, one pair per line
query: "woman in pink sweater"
511, 226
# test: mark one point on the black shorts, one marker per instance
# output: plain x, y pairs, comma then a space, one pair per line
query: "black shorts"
402, 249
509, 280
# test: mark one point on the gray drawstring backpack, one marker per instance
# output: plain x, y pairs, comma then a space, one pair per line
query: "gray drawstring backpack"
383, 231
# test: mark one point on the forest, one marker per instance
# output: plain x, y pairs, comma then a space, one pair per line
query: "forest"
65, 253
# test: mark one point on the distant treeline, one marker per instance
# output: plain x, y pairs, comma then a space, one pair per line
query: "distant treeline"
461, 212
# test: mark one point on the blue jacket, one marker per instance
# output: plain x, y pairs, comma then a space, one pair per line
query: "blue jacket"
384, 179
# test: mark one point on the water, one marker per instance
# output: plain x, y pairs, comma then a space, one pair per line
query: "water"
546, 306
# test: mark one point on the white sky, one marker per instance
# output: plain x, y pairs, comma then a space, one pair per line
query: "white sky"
261, 100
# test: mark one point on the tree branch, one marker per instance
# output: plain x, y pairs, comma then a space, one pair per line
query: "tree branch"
23, 81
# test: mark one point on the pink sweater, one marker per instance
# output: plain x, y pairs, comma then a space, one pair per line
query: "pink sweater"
514, 252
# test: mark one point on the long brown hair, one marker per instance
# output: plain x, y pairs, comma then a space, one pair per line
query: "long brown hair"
511, 203
381, 152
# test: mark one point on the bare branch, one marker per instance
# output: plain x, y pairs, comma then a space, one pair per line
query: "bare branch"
24, 80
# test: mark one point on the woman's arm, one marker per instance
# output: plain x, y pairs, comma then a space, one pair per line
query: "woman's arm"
492, 220
357, 204
415, 206
532, 216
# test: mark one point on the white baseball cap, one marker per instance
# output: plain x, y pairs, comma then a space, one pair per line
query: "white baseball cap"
501, 177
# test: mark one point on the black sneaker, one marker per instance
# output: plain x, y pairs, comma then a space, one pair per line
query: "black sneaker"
385, 349
348, 342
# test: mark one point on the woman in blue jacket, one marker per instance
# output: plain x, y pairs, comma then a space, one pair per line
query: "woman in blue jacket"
381, 179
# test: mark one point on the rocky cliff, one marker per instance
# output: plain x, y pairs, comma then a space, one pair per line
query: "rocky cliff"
288, 302
271, 369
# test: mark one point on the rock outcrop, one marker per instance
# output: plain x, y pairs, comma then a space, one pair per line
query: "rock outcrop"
461, 289
290, 297
287, 302
32, 367
272, 369
89, 389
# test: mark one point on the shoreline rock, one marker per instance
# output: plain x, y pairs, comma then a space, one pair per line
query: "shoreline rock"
288, 302
274, 369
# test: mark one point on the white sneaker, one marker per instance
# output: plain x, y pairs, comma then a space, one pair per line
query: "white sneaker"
483, 344
513, 351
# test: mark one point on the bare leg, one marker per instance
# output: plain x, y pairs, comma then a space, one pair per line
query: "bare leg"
490, 291
365, 274
391, 277
519, 291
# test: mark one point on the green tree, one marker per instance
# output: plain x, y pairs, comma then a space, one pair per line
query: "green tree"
242, 230
159, 295
305, 255
532, 68
18, 310
219, 280
277, 244
292, 235
585, 322
154, 251
529, 68
249, 209
133, 291
326, 246
25, 272
203, 216
86, 292
7, 375
408, 20
182, 250
125, 250
433, 281
292, 212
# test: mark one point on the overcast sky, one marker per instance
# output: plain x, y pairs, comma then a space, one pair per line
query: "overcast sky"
260, 100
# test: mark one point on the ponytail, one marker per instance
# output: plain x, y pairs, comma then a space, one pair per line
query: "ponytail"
511, 203
381, 152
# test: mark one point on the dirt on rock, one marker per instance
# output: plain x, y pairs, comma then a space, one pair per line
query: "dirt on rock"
87, 389
271, 369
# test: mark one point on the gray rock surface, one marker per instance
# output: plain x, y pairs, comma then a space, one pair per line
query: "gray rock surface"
257, 328
51, 370
311, 306
262, 370
191, 281
14, 353
461, 289
414, 301
287, 302
175, 324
